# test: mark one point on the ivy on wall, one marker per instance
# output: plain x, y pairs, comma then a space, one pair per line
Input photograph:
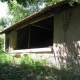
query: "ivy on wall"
66, 17
71, 2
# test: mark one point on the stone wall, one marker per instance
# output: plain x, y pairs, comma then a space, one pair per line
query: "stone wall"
66, 37
12, 36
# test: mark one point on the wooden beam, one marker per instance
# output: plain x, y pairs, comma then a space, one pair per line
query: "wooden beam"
36, 20
41, 27
41, 18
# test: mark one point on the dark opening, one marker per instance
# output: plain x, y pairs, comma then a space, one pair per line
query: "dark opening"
22, 38
37, 35
40, 37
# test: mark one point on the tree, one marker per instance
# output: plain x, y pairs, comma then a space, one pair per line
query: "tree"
1, 39
19, 12
28, 3
5, 21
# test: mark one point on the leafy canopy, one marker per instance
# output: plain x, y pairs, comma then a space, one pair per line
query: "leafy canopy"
27, 3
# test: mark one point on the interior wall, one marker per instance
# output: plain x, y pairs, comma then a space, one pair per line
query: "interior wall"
46, 23
10, 40
6, 42
13, 40
40, 37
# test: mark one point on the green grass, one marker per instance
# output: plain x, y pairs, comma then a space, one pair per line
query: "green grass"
26, 68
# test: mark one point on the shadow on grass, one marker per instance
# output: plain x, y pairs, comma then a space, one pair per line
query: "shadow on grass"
29, 69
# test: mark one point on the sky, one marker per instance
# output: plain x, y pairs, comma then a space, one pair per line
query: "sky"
3, 9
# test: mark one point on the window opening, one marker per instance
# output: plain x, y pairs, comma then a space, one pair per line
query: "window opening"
37, 35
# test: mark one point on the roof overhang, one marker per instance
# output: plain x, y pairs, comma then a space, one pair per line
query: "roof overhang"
29, 20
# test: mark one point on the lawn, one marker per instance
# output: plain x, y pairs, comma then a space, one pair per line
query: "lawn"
26, 68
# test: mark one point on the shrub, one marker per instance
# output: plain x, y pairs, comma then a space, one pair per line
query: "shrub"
1, 39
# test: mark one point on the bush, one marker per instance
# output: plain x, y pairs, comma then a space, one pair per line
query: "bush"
5, 59
26, 68
1, 39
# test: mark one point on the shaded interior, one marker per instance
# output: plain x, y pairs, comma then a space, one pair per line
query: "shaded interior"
37, 35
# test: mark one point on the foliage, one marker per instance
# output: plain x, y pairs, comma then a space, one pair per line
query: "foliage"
30, 69
5, 59
5, 21
1, 39
32, 62
2, 22
71, 2
18, 12
28, 3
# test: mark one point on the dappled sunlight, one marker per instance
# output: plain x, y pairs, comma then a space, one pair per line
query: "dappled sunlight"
77, 47
30, 69
60, 49
60, 52
67, 55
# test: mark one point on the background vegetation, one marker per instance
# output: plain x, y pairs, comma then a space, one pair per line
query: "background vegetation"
1, 40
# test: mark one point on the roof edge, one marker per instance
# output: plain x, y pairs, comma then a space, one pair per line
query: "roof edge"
35, 14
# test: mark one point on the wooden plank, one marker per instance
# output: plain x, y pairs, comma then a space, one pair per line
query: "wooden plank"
42, 18
41, 27
36, 20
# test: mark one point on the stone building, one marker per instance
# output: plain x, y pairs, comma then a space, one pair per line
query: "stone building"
52, 34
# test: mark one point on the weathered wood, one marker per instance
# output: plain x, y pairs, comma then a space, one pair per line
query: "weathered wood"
41, 27
42, 18
36, 20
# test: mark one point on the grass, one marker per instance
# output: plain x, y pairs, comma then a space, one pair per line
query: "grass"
26, 68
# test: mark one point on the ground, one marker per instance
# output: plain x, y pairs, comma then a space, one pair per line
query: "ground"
26, 68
